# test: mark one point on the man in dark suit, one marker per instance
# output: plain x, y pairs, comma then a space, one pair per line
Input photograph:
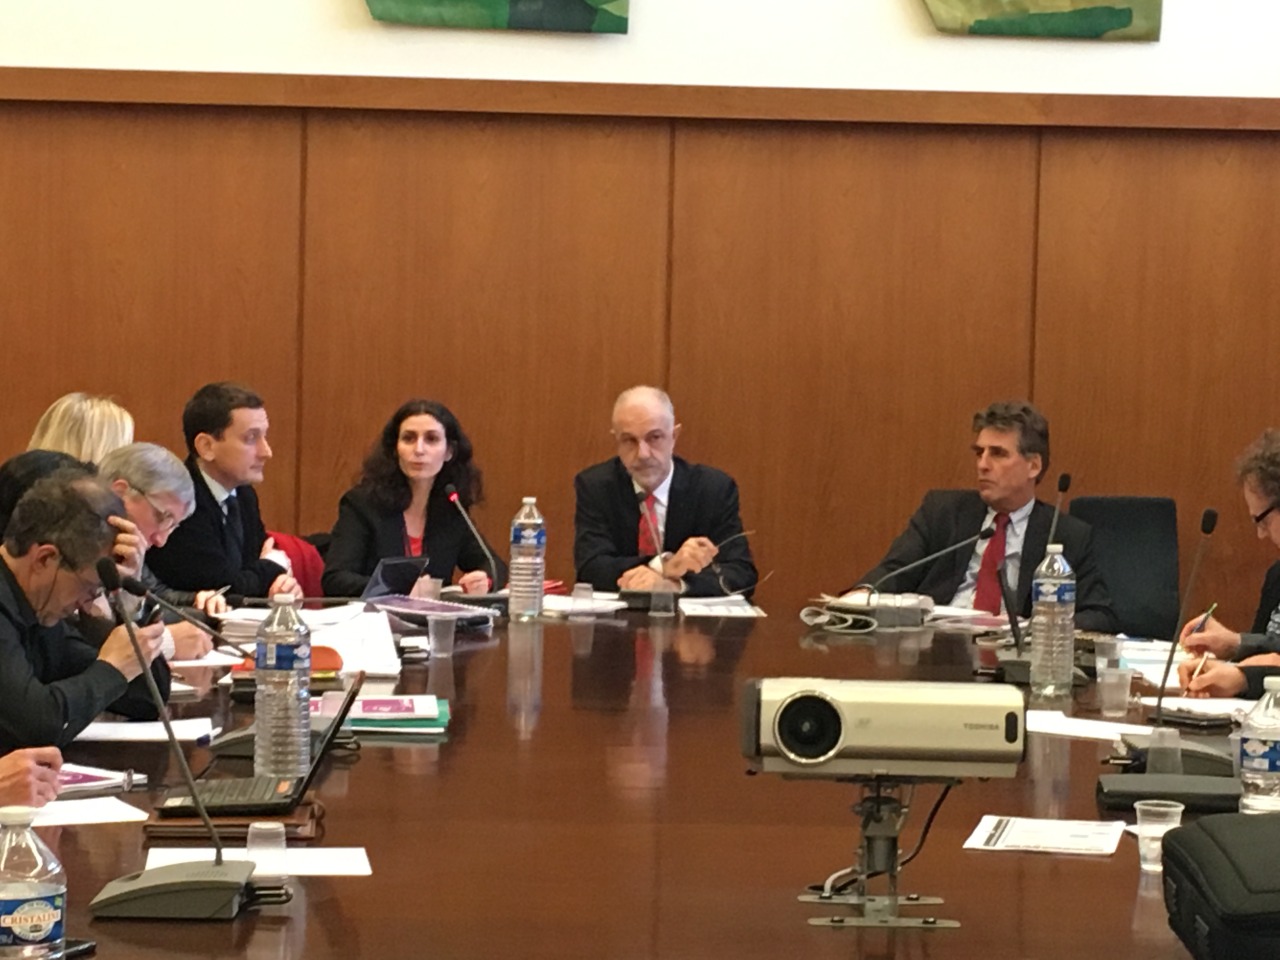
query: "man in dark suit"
647, 518
223, 543
1011, 446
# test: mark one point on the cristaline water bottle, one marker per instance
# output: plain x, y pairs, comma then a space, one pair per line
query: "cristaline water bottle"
33, 890
528, 561
1260, 753
282, 698
1053, 628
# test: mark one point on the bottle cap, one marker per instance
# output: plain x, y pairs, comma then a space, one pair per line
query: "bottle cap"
529, 500
1053, 548
282, 600
1269, 684
17, 816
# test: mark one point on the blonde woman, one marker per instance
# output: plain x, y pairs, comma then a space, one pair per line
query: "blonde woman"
83, 426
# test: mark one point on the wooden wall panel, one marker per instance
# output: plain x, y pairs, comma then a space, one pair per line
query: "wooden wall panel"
1159, 276
843, 299
145, 251
515, 269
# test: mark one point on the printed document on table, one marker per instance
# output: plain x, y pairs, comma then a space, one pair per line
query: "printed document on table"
63, 813
297, 861
1087, 837
1056, 723
214, 658
188, 730
1208, 707
734, 605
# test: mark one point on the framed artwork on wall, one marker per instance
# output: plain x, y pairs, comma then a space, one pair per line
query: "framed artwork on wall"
1079, 19
572, 16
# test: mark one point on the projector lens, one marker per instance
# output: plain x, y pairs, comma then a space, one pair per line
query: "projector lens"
808, 728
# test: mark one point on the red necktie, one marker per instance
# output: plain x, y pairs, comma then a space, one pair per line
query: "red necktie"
987, 595
646, 538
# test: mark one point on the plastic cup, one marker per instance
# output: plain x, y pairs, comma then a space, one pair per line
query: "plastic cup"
440, 632
1164, 751
583, 596
1113, 691
1155, 819
266, 846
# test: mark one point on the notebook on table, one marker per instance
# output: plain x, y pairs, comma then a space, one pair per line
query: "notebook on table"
259, 796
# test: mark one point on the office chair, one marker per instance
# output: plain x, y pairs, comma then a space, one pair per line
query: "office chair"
1136, 541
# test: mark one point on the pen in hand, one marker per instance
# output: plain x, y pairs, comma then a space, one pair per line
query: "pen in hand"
1199, 666
1205, 619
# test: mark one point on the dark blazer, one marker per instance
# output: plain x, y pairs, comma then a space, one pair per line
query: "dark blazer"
366, 532
1258, 640
950, 516
196, 556
703, 503
52, 683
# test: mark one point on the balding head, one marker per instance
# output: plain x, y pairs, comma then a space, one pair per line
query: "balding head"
645, 429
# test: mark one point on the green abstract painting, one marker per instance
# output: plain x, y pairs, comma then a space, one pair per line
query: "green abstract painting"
1082, 19
575, 16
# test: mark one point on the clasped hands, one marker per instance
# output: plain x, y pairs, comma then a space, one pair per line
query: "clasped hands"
694, 555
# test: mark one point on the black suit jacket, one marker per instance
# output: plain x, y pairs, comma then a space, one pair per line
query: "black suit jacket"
366, 533
950, 516
703, 502
196, 556
52, 683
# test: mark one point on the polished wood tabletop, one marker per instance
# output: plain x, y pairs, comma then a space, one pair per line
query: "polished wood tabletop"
591, 800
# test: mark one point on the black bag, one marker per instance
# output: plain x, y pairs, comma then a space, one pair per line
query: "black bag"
1222, 886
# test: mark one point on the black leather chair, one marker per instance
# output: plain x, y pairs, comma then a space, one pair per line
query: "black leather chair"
1136, 542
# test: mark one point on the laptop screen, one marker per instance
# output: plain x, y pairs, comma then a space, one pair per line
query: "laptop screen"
331, 731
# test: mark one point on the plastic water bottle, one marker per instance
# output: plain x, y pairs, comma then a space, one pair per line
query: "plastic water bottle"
33, 890
528, 561
1053, 627
1260, 754
282, 698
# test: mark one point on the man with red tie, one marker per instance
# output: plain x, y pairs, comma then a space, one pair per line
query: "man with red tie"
1011, 447
647, 518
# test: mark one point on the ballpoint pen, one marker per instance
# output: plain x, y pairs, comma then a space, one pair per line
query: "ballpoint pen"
1199, 666
1205, 619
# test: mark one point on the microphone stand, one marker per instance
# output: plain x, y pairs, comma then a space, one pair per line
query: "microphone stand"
1064, 484
1208, 521
139, 589
452, 493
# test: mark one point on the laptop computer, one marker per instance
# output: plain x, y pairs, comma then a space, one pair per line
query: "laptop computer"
259, 796
394, 575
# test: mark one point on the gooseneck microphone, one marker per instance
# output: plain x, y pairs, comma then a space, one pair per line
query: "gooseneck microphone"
452, 493
1208, 521
986, 534
1064, 484
139, 589
180, 891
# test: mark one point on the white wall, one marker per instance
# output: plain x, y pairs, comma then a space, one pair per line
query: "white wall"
1209, 47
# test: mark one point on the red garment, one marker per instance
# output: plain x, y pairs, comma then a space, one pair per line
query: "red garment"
987, 595
648, 528
307, 565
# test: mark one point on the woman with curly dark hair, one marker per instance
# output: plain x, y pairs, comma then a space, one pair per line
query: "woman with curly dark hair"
400, 508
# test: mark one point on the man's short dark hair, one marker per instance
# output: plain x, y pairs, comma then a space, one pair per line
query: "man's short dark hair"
210, 410
1260, 465
1030, 424
20, 472
70, 511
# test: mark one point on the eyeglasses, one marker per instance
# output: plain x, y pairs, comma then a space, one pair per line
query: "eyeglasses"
1257, 521
90, 590
165, 520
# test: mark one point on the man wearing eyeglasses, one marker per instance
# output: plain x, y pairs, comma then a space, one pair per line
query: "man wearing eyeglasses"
158, 494
53, 683
648, 519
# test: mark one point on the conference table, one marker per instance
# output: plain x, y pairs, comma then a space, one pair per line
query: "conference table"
591, 800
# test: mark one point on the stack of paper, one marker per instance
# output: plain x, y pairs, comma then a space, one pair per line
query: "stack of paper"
193, 729
1087, 837
600, 604
243, 622
1210, 708
408, 714
735, 605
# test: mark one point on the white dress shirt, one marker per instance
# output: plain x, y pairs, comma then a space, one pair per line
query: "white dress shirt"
1014, 534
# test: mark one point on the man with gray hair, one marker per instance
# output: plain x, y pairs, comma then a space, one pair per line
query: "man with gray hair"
158, 494
648, 519
53, 683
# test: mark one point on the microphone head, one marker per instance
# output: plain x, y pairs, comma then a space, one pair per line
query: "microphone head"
451, 492
108, 574
987, 534
1064, 482
134, 586
1208, 521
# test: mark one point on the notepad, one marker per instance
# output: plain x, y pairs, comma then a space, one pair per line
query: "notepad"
75, 779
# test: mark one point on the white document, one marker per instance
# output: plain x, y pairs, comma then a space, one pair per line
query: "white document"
1223, 707
1087, 837
218, 657
62, 813
1056, 723
297, 861
191, 730
363, 642
76, 778
599, 605
735, 605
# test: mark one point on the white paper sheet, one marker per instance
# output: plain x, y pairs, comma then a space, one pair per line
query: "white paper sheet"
1224, 707
731, 606
63, 813
214, 658
191, 730
1084, 837
364, 642
1056, 723
599, 605
298, 861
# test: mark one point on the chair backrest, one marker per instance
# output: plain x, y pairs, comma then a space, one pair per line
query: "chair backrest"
1136, 542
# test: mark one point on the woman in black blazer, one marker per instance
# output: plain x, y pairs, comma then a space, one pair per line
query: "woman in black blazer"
400, 508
